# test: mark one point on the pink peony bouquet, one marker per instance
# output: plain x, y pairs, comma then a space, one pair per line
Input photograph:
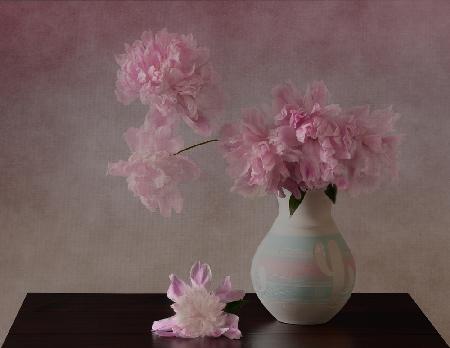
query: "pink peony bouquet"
303, 143
306, 143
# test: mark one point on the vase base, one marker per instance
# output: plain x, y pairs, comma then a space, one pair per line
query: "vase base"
295, 313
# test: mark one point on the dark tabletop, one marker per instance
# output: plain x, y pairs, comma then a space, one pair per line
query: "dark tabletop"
125, 320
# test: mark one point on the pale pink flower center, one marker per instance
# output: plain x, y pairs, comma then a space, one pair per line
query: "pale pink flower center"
199, 312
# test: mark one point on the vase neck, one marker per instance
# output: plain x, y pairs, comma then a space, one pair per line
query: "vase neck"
314, 209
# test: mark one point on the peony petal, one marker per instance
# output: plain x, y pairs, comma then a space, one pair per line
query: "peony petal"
286, 94
233, 334
226, 294
176, 289
156, 119
219, 332
165, 207
373, 142
165, 333
287, 136
191, 170
253, 123
165, 327
164, 324
231, 322
316, 93
200, 274
185, 333
119, 168
131, 138
200, 124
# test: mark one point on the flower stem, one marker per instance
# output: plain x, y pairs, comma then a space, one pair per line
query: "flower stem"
195, 145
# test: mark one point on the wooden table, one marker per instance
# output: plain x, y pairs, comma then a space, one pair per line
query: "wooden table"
124, 320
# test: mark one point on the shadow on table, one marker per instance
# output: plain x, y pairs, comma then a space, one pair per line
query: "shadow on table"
279, 335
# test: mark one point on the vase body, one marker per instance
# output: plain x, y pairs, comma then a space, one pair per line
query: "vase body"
303, 271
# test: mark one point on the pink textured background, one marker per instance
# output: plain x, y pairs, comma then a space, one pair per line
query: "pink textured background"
67, 227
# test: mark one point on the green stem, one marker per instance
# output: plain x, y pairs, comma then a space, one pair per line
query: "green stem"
195, 145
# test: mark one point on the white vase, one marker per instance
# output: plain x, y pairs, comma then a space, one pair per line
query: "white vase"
303, 271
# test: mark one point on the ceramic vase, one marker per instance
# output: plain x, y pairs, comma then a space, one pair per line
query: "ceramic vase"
303, 271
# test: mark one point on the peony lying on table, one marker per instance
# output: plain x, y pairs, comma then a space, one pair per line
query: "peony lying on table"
198, 311
304, 143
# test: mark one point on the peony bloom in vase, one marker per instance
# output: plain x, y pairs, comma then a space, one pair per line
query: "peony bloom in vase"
304, 152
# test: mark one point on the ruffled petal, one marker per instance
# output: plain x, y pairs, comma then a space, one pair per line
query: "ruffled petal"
316, 93
286, 94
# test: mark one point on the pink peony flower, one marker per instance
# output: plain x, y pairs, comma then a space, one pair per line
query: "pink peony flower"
198, 311
153, 171
310, 144
170, 72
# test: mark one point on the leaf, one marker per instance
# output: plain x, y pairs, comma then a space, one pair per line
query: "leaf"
294, 202
234, 307
331, 192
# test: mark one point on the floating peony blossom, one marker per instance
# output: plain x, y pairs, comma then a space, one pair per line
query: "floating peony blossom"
153, 171
171, 73
198, 311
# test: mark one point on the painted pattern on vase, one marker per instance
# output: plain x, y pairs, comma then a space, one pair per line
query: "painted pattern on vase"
303, 271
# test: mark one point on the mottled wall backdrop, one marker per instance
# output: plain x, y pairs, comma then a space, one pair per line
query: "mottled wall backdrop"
65, 226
